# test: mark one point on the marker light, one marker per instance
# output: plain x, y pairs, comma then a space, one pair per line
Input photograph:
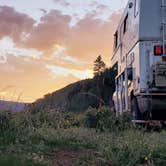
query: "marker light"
158, 50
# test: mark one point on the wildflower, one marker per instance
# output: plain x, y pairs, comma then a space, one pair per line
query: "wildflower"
146, 158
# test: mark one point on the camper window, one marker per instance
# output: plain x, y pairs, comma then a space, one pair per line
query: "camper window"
125, 24
115, 40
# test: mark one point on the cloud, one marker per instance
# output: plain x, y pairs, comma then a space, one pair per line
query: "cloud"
84, 41
3, 59
61, 71
8, 47
43, 11
52, 29
92, 36
59, 50
14, 24
73, 60
62, 2
102, 8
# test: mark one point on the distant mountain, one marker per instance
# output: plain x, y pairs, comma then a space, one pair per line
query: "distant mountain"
80, 95
12, 106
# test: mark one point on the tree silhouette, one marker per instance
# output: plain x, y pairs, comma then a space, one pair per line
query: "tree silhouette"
99, 66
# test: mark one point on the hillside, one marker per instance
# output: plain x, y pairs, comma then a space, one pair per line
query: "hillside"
80, 95
10, 105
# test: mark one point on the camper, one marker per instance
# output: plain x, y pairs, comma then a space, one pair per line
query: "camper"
139, 56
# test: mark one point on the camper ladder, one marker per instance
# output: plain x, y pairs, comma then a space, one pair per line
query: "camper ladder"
163, 9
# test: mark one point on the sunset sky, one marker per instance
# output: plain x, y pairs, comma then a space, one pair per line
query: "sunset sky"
48, 44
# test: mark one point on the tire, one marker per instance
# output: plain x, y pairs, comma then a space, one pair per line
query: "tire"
136, 115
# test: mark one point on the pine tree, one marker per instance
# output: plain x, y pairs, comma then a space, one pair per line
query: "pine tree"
99, 66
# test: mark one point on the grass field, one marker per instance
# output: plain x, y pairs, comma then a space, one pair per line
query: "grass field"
91, 138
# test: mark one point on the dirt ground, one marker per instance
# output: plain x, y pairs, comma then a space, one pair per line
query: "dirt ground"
78, 158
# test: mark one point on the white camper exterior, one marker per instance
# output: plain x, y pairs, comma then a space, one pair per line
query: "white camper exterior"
140, 58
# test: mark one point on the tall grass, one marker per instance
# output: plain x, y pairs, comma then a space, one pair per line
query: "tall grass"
37, 137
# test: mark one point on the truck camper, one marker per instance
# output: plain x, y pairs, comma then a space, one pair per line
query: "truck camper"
139, 55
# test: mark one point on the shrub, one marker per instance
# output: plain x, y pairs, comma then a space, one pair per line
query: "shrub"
104, 119
5, 117
21, 121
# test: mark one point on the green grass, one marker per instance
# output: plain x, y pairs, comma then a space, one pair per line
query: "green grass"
34, 139
13, 160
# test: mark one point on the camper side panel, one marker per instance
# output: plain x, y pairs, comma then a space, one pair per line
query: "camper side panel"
150, 20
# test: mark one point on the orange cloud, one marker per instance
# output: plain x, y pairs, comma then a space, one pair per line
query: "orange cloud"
91, 37
88, 38
53, 29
